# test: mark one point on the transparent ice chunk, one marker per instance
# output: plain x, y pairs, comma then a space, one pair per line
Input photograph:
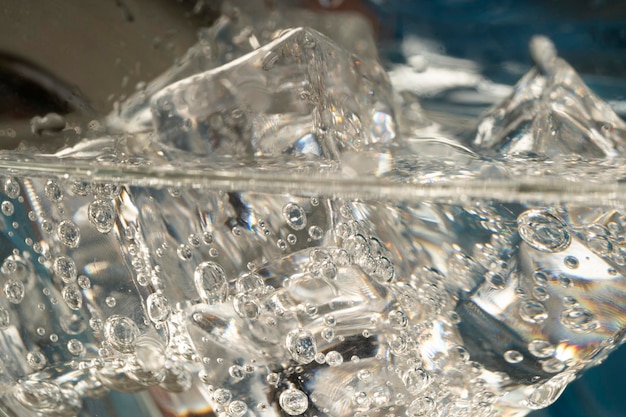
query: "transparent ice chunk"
236, 33
298, 94
551, 112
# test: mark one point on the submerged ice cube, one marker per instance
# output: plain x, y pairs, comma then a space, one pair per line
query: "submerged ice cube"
551, 112
301, 94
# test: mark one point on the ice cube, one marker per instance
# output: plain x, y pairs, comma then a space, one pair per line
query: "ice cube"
299, 94
235, 34
551, 112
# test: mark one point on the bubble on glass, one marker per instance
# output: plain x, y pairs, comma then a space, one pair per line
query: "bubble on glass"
158, 307
211, 283
68, 233
513, 356
7, 208
301, 345
53, 191
121, 332
541, 348
14, 291
73, 296
544, 230
101, 214
293, 401
294, 216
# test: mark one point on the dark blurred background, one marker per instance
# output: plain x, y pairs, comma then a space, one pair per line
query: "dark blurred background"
80, 57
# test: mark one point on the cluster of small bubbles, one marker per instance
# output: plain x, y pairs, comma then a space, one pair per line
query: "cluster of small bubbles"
14, 291
301, 345
68, 233
184, 252
81, 188
7, 208
73, 297
544, 230
579, 320
107, 191
11, 187
533, 312
211, 283
334, 358
513, 356
293, 401
101, 214
75, 347
541, 348
53, 191
5, 318
36, 360
294, 216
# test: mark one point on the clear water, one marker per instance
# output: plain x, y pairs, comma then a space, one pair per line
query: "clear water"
278, 232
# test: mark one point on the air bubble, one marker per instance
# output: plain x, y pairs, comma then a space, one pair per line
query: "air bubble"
282, 245
301, 345
513, 356
102, 215
247, 306
75, 347
293, 402
7, 208
552, 365
158, 307
211, 284
121, 332
14, 291
110, 301
316, 232
250, 283
36, 360
334, 358
11, 188
416, 380
53, 191
237, 408
579, 320
533, 312
184, 252
541, 348
571, 262
543, 230
222, 396
68, 233
294, 216
73, 297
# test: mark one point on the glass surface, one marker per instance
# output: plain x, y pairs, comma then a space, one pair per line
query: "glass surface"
334, 208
